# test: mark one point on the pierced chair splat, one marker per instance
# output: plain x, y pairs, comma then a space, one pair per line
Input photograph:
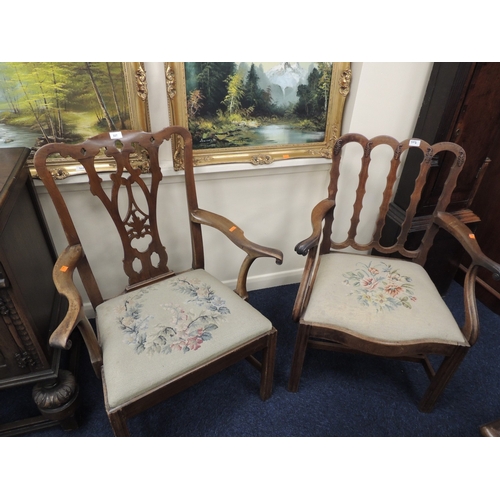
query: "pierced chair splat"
167, 330
359, 295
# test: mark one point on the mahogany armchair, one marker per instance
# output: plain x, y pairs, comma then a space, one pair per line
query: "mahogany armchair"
358, 295
166, 331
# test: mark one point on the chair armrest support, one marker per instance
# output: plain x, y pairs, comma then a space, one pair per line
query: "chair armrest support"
236, 235
468, 240
309, 247
62, 274
318, 213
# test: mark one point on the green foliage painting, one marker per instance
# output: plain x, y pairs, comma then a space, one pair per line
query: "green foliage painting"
247, 104
53, 102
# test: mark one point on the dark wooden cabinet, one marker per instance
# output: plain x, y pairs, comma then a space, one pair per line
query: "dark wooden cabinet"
461, 105
29, 304
479, 128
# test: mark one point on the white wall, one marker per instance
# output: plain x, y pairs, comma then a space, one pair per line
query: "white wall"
271, 203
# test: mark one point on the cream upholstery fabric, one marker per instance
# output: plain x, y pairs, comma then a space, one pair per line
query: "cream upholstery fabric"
154, 334
381, 298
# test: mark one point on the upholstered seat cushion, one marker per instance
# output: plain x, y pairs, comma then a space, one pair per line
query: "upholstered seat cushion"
380, 298
154, 334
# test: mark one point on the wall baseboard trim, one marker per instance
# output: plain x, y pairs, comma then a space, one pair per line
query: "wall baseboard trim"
253, 283
269, 280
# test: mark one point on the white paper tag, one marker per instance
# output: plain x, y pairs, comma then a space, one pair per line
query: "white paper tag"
115, 135
414, 142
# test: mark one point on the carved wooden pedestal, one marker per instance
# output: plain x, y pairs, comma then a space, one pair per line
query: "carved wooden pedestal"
29, 304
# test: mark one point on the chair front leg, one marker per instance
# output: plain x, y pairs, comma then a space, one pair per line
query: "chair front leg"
267, 370
298, 357
440, 380
118, 422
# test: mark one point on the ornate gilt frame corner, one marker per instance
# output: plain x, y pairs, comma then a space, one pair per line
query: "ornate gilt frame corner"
261, 155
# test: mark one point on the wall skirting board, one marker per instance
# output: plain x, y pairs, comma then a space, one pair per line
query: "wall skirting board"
270, 280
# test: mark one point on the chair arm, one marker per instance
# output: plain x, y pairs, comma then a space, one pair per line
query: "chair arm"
62, 274
468, 240
318, 213
235, 234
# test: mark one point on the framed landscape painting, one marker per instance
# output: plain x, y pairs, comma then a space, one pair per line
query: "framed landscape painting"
257, 112
43, 102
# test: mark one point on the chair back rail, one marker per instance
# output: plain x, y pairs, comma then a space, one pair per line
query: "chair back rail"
367, 168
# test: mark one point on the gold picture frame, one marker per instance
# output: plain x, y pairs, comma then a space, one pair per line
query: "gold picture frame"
120, 88
182, 93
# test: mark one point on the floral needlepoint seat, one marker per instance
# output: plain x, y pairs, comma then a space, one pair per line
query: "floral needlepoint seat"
365, 288
160, 332
374, 296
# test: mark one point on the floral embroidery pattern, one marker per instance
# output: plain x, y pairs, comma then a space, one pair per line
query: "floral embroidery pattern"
187, 328
380, 286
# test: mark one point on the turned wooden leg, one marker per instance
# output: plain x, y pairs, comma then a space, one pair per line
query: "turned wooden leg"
298, 358
267, 371
440, 380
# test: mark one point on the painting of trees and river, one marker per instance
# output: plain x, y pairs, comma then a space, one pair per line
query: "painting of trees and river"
60, 102
233, 105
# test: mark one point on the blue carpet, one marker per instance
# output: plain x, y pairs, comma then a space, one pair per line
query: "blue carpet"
339, 394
